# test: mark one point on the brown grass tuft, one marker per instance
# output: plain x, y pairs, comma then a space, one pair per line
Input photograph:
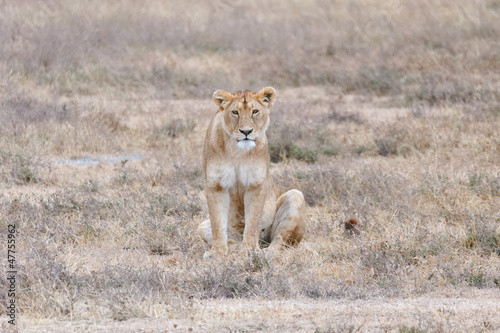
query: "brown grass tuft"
352, 227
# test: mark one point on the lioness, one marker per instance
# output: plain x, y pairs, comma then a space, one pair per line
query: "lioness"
244, 204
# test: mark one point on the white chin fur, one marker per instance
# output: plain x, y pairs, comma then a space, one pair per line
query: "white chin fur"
246, 144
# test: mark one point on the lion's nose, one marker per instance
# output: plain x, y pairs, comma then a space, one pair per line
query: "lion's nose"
246, 132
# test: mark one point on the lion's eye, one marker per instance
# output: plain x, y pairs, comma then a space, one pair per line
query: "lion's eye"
234, 112
255, 112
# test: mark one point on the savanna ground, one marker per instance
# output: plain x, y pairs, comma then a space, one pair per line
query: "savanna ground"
387, 111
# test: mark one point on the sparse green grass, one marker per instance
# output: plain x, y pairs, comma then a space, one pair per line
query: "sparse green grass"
410, 329
118, 240
173, 129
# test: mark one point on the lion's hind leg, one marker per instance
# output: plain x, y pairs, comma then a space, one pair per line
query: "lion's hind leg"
289, 223
205, 232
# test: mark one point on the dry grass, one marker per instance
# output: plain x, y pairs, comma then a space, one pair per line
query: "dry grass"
388, 112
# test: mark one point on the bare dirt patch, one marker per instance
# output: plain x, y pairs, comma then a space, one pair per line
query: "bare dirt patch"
434, 313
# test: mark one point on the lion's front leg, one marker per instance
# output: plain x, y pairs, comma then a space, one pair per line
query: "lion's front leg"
254, 204
218, 207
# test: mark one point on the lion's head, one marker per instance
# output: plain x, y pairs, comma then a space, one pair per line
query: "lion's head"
246, 114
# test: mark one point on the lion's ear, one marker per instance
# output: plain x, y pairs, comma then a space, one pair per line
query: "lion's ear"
222, 98
267, 96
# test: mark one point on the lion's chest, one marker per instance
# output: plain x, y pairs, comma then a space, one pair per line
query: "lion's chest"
241, 175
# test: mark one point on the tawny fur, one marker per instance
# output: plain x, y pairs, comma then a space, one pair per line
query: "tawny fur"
244, 204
